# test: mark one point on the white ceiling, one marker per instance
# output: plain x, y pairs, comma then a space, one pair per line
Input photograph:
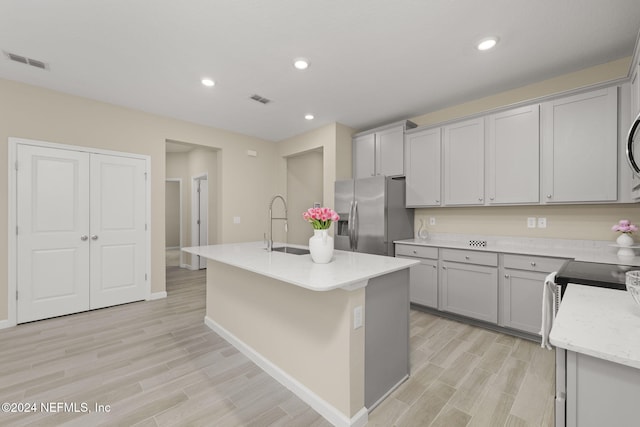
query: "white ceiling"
372, 61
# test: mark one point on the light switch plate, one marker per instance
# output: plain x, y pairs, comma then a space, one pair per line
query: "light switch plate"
531, 222
542, 222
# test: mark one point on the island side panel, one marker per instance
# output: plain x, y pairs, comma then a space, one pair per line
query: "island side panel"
307, 334
386, 335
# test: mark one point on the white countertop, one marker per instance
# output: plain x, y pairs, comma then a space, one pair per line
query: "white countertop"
599, 322
347, 270
580, 250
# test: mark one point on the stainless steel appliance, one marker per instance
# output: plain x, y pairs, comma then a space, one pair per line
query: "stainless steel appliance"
633, 140
372, 215
610, 276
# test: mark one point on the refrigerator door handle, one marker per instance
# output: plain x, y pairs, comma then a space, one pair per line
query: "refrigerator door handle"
355, 226
350, 226
630, 139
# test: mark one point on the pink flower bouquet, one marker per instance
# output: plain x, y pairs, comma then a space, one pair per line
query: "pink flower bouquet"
625, 226
320, 218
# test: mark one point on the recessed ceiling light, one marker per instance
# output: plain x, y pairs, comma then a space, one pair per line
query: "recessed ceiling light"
488, 43
208, 82
301, 63
309, 116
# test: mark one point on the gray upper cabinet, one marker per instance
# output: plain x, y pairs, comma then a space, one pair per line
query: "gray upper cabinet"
364, 156
422, 158
463, 163
580, 148
380, 151
513, 156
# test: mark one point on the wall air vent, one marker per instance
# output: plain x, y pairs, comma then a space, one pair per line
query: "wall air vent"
27, 61
260, 99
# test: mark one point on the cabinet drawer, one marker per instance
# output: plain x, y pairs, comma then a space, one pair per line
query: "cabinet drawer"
533, 263
417, 251
470, 257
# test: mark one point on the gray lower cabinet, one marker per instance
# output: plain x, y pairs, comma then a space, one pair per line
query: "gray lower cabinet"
423, 278
601, 393
467, 288
521, 306
521, 288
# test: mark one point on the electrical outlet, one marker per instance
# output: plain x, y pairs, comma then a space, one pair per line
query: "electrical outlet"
432, 221
357, 317
542, 222
531, 222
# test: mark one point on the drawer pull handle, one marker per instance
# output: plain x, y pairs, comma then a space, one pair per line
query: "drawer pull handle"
533, 264
467, 258
415, 252
444, 268
506, 276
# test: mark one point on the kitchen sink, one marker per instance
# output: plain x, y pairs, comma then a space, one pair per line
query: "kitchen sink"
290, 250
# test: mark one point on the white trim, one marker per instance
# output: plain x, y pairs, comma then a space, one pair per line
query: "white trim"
157, 295
324, 408
12, 204
12, 260
195, 213
6, 324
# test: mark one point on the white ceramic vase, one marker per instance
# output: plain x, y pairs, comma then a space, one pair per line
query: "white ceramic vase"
321, 246
625, 241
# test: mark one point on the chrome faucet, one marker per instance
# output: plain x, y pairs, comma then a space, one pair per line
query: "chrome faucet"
271, 218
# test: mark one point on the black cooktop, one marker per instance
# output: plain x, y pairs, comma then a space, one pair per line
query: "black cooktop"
610, 276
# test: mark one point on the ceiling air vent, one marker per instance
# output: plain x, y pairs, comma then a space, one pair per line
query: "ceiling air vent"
27, 61
260, 99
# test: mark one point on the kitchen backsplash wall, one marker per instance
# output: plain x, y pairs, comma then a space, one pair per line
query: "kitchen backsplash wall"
589, 222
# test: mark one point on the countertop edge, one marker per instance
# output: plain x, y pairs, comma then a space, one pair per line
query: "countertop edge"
347, 284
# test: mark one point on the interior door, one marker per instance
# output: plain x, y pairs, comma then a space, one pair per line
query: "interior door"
52, 236
118, 243
203, 217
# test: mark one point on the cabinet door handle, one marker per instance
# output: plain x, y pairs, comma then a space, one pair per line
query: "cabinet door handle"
94, 237
444, 268
84, 237
415, 252
533, 264
506, 276
467, 258
437, 201
479, 199
435, 266
491, 198
548, 196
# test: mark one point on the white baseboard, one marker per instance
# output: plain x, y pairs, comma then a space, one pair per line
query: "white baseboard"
6, 324
158, 295
328, 411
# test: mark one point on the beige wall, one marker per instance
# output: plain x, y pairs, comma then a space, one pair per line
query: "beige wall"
591, 222
304, 188
319, 349
172, 214
245, 182
335, 141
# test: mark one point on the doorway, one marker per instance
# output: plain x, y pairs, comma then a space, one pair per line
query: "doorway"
200, 217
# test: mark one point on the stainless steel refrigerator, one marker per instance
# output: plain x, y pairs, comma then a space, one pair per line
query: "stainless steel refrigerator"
372, 215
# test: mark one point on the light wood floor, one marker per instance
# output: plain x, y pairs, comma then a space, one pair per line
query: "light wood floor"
156, 364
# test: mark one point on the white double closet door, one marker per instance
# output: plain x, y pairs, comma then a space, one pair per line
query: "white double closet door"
81, 239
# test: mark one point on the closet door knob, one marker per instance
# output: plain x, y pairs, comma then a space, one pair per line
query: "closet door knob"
84, 237
94, 237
